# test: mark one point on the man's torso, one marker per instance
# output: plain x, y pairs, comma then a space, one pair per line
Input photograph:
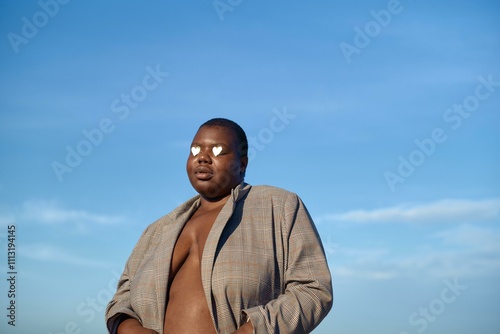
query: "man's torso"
187, 309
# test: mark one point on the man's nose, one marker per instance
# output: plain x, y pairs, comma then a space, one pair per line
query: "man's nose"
204, 157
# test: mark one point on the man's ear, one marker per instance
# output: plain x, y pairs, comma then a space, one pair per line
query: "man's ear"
243, 164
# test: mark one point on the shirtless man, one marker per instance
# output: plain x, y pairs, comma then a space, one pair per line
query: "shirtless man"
187, 310
235, 259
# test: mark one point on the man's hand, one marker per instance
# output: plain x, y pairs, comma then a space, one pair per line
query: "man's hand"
133, 326
247, 328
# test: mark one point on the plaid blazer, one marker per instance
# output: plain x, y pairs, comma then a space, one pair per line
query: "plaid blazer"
263, 259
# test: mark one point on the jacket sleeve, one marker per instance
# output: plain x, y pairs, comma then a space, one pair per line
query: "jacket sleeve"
119, 308
307, 297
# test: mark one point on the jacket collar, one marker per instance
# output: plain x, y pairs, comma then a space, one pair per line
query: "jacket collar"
240, 191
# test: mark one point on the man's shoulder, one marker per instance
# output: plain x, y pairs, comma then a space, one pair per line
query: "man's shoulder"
172, 216
271, 191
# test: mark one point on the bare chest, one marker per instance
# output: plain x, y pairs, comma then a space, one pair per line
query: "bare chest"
191, 241
187, 310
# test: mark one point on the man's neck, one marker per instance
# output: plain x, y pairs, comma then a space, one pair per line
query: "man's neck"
208, 204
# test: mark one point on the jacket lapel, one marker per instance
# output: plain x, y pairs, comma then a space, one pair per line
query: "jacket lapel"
210, 249
170, 231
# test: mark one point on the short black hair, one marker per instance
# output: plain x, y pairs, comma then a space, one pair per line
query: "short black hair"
233, 126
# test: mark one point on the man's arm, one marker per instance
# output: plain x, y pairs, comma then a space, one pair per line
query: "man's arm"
119, 309
308, 295
133, 326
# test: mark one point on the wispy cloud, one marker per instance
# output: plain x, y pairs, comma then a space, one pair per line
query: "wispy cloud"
371, 274
52, 214
464, 251
366, 264
442, 211
49, 212
49, 253
470, 236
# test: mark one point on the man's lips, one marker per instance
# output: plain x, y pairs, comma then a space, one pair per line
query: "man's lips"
203, 173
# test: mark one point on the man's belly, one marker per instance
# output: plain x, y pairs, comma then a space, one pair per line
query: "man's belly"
187, 310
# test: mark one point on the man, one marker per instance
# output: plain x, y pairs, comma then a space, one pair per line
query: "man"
233, 259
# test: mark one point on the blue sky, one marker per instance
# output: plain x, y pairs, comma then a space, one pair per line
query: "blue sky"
382, 115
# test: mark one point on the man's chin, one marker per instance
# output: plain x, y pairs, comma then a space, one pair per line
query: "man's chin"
212, 190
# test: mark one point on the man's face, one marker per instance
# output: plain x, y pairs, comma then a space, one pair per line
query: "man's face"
215, 166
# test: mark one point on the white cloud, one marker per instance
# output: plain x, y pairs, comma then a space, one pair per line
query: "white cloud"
48, 253
346, 272
472, 237
51, 213
357, 263
442, 211
463, 251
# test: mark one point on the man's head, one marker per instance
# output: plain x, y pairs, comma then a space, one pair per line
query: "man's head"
238, 131
218, 158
